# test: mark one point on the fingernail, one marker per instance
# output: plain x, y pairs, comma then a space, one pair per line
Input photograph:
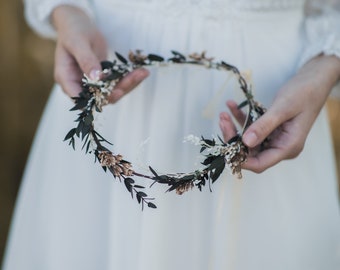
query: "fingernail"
94, 74
250, 139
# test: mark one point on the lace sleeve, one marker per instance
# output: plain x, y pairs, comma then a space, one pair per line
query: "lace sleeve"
37, 14
322, 29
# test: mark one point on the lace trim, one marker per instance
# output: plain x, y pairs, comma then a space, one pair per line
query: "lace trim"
322, 35
332, 46
328, 46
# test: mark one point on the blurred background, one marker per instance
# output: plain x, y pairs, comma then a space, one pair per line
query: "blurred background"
26, 77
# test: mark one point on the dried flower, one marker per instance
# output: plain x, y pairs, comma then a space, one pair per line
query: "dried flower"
200, 57
184, 188
107, 159
137, 57
193, 139
235, 156
116, 163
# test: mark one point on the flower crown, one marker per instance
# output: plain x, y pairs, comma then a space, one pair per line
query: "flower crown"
217, 154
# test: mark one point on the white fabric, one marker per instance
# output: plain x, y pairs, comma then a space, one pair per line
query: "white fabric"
71, 215
38, 14
322, 30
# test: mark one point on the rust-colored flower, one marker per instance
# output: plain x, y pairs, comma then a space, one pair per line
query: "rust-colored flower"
107, 159
238, 159
184, 188
137, 58
200, 57
116, 163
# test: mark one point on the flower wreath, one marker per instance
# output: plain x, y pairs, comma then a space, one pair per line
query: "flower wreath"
218, 154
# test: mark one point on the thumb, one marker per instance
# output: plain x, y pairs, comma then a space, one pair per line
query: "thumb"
257, 132
88, 61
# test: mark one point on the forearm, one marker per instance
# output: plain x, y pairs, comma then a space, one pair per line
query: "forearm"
320, 74
326, 70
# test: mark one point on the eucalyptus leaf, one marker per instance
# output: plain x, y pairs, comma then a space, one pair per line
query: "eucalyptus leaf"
106, 64
70, 134
121, 58
151, 205
156, 58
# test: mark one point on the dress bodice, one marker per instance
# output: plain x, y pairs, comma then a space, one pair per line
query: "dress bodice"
321, 32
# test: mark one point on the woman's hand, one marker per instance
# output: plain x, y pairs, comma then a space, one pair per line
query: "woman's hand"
80, 48
291, 116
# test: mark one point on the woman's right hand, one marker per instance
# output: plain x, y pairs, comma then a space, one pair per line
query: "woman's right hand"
80, 48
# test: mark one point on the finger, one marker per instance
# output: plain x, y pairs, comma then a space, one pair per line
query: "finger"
262, 128
128, 83
86, 59
227, 126
239, 115
66, 72
264, 160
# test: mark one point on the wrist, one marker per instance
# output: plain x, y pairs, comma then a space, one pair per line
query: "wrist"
64, 16
325, 68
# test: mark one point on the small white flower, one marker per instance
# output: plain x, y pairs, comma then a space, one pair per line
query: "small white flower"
193, 139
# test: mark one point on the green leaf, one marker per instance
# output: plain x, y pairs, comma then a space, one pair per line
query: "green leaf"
234, 139
80, 104
70, 134
179, 55
138, 186
88, 146
151, 205
113, 76
218, 166
85, 142
208, 160
72, 143
210, 142
106, 64
88, 119
153, 171
203, 148
142, 194
121, 58
156, 58
128, 184
139, 198
102, 138
221, 140
85, 131
243, 104
79, 128
162, 179
129, 180
217, 162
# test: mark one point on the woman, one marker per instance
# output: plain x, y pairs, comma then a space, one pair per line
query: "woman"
71, 215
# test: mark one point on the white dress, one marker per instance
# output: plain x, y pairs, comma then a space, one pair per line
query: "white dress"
71, 215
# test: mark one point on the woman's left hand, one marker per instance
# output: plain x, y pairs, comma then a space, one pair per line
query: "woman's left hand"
289, 119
